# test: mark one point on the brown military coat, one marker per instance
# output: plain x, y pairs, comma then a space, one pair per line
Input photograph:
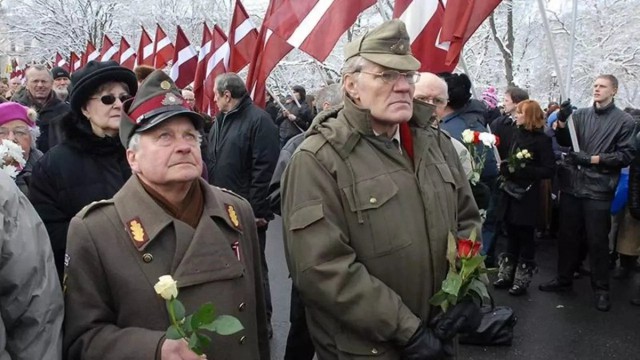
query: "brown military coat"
366, 230
113, 311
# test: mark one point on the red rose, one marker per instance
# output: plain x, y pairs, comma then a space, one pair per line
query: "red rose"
497, 140
468, 248
476, 137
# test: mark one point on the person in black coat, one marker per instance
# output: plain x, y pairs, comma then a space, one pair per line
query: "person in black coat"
90, 164
242, 154
296, 117
522, 215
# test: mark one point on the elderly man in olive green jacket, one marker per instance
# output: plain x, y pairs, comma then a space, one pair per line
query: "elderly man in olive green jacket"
368, 204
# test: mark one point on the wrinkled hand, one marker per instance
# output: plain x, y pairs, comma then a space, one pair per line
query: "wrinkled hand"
463, 317
178, 350
424, 345
579, 158
566, 109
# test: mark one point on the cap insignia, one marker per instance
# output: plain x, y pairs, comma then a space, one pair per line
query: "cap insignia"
137, 233
165, 85
171, 99
233, 215
400, 48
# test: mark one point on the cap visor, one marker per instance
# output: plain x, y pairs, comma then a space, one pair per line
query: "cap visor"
198, 121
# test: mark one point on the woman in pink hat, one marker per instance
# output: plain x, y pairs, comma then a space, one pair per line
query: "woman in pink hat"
18, 124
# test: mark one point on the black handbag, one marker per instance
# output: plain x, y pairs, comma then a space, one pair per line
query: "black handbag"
514, 190
496, 327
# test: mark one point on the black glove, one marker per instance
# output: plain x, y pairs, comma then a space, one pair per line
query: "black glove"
566, 109
504, 169
424, 345
463, 317
579, 158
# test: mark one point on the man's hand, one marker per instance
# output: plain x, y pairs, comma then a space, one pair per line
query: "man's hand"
424, 345
463, 317
566, 109
579, 158
291, 117
260, 222
178, 350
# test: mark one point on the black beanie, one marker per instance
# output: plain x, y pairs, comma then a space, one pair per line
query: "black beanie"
459, 89
58, 72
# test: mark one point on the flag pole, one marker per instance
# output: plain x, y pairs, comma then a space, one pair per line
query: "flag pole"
574, 25
286, 84
322, 73
547, 28
463, 63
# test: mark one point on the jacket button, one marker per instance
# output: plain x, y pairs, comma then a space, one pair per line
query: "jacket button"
373, 200
242, 306
147, 258
242, 340
374, 351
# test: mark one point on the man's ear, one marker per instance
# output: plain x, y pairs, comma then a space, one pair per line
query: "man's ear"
350, 82
132, 160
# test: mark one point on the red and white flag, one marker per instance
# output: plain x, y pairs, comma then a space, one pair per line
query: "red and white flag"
145, 49
315, 26
217, 64
90, 54
438, 32
270, 49
200, 76
109, 49
185, 61
243, 38
61, 62
16, 70
75, 62
126, 56
163, 49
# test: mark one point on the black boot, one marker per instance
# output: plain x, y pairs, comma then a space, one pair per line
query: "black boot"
556, 285
505, 272
603, 303
627, 265
524, 273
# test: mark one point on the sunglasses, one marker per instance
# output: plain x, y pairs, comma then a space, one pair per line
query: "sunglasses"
110, 99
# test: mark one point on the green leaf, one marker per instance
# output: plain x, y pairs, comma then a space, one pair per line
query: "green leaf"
204, 340
451, 285
204, 315
452, 250
479, 288
178, 308
194, 344
438, 299
187, 324
224, 325
173, 334
470, 265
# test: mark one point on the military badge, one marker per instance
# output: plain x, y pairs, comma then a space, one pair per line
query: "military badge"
233, 215
165, 85
401, 47
137, 233
236, 249
171, 99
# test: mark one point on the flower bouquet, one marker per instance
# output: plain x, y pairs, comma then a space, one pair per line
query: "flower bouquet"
518, 159
466, 273
190, 327
11, 158
472, 141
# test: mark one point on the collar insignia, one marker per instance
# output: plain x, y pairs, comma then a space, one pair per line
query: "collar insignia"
233, 215
171, 99
137, 233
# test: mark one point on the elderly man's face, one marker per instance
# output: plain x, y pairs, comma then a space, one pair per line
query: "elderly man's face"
18, 132
434, 92
189, 97
388, 100
168, 154
39, 84
61, 83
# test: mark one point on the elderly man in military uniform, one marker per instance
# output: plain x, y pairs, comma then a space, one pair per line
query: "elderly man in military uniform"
164, 221
368, 202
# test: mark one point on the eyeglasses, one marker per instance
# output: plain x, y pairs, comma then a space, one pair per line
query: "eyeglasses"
19, 132
110, 99
391, 76
437, 101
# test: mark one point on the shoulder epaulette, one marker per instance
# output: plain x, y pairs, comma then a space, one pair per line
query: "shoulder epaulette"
228, 192
93, 206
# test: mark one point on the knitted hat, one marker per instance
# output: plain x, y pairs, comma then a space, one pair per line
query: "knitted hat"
11, 111
490, 97
58, 72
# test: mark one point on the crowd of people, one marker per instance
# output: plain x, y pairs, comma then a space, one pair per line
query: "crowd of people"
124, 181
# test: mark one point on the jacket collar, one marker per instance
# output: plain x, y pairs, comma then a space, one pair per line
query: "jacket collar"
604, 110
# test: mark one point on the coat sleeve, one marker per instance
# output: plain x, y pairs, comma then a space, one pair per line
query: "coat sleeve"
44, 194
90, 330
264, 156
634, 189
31, 305
323, 264
624, 149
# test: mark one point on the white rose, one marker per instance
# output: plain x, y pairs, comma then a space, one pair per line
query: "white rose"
487, 139
166, 287
525, 152
467, 136
519, 155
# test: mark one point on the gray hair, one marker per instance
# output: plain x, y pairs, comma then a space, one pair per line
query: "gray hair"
331, 94
37, 67
354, 64
232, 83
134, 142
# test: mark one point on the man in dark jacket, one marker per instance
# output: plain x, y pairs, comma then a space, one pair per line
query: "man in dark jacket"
505, 125
40, 95
242, 153
297, 116
588, 180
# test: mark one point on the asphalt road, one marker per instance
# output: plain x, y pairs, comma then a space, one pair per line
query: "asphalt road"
550, 326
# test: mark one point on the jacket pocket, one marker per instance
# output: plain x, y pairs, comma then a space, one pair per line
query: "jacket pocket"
447, 176
376, 202
352, 346
307, 214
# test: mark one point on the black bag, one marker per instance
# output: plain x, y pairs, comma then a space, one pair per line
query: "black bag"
514, 190
496, 327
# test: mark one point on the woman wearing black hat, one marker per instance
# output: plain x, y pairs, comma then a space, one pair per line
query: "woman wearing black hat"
90, 165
